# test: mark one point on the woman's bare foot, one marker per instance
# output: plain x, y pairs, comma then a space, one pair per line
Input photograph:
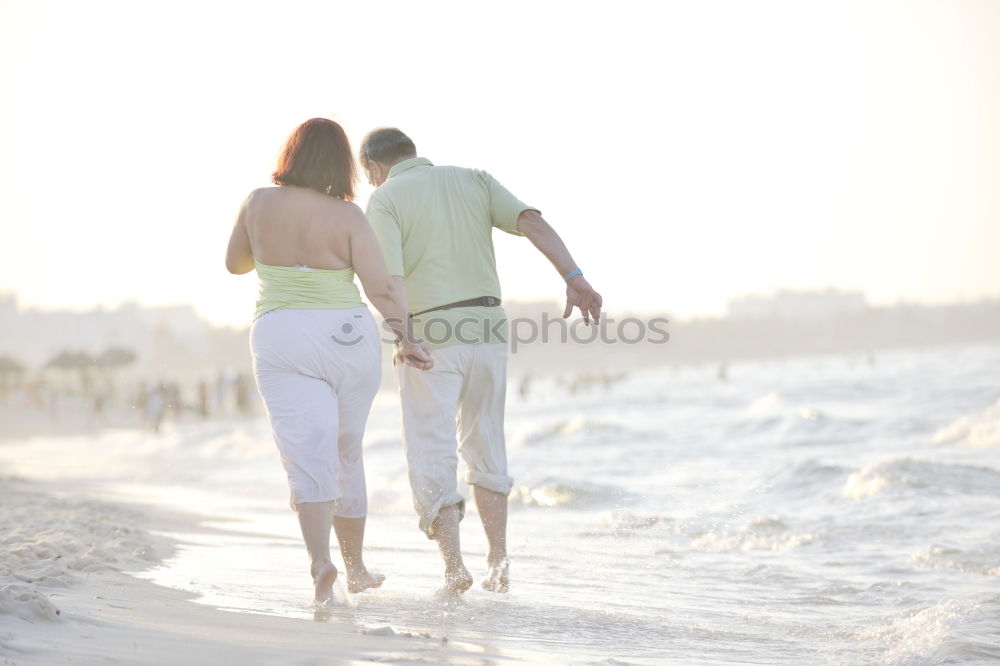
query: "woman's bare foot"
498, 576
324, 575
363, 580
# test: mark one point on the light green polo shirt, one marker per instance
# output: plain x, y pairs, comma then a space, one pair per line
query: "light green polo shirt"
435, 225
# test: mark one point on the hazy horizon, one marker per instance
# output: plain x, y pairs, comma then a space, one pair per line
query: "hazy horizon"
688, 153
515, 303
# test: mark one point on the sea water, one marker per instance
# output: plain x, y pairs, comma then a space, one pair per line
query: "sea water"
821, 510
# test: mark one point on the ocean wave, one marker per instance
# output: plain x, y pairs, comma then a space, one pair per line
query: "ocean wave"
760, 415
921, 474
622, 524
981, 429
763, 533
788, 424
983, 560
764, 403
810, 472
226, 440
564, 493
916, 638
806, 478
581, 428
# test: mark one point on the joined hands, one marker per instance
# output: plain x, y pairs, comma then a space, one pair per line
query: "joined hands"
414, 354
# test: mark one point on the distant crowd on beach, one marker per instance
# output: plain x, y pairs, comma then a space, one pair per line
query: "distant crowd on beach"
96, 399
150, 403
145, 403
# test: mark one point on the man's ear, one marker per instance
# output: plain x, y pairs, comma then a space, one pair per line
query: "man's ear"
371, 172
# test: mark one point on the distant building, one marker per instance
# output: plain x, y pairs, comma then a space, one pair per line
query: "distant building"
798, 305
34, 336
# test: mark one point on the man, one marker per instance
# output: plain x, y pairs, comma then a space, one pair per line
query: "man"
435, 226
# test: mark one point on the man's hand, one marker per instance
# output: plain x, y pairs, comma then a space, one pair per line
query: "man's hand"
415, 354
579, 294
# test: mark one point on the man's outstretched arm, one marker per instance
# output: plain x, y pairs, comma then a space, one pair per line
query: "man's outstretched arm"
579, 293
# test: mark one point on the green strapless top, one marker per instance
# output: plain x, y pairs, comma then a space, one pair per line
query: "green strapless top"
304, 288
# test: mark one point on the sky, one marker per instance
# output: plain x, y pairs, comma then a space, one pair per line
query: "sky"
687, 152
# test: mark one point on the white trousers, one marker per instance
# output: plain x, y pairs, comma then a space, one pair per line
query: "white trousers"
460, 400
317, 372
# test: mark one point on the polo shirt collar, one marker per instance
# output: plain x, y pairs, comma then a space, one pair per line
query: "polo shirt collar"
405, 165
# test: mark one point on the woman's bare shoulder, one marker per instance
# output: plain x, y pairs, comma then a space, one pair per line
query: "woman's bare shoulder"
309, 202
259, 195
264, 192
347, 211
352, 209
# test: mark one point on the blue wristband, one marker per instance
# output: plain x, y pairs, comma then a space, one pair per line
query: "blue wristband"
573, 274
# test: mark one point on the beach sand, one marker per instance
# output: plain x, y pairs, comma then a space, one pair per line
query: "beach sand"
66, 596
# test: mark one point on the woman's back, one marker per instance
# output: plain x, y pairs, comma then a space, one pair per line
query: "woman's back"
300, 241
297, 226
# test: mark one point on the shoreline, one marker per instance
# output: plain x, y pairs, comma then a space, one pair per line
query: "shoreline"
68, 593
117, 618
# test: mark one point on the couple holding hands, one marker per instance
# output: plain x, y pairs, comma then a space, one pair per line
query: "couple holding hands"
423, 252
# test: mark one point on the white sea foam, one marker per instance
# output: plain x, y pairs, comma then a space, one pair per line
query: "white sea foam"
765, 533
864, 483
912, 639
622, 523
764, 403
984, 560
980, 429
581, 429
556, 492
919, 474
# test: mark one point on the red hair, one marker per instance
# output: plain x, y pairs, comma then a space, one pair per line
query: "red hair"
318, 155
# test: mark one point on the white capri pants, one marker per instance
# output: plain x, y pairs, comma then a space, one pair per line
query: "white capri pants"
460, 399
317, 372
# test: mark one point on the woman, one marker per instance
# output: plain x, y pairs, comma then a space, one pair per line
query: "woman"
315, 347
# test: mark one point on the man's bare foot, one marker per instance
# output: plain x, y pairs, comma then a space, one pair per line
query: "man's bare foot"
498, 576
323, 577
456, 581
365, 580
